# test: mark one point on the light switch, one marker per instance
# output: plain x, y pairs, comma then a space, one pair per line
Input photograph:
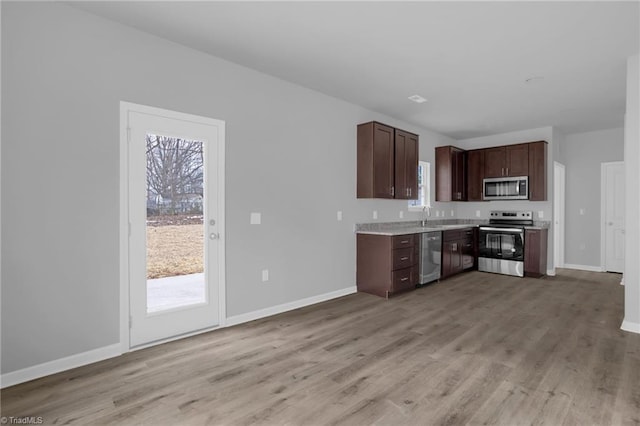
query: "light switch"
256, 219
401, 214
540, 214
375, 214
581, 212
339, 215
265, 275
451, 212
477, 213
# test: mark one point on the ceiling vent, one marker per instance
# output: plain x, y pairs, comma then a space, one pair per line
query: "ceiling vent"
417, 99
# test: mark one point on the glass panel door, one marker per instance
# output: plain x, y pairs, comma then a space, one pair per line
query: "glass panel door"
176, 219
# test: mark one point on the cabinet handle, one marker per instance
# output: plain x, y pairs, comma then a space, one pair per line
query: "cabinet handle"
404, 242
404, 258
502, 172
409, 192
404, 279
507, 171
393, 191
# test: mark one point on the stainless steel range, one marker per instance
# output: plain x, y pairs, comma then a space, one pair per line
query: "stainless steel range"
501, 243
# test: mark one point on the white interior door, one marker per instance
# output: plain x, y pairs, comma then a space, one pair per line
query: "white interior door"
613, 215
176, 223
558, 214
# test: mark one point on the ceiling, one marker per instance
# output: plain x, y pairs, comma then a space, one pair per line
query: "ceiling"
470, 60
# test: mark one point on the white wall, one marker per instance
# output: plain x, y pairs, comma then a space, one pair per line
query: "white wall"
632, 205
468, 210
584, 153
290, 155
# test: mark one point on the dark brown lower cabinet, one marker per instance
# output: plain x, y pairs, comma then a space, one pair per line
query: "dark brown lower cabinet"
458, 251
387, 265
535, 252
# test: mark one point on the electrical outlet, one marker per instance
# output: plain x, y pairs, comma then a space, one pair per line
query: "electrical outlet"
437, 213
581, 212
375, 214
582, 246
451, 212
256, 219
265, 275
339, 215
477, 213
540, 214
401, 214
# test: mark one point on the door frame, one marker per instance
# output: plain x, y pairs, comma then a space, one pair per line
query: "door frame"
559, 201
603, 209
125, 108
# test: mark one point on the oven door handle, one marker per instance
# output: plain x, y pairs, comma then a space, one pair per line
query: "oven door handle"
518, 230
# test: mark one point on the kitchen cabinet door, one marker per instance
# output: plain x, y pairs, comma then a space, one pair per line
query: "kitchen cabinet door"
494, 162
376, 148
538, 171
406, 165
451, 173
517, 160
509, 160
535, 252
475, 174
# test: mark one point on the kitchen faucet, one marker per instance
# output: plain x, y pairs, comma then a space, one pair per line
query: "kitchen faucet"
426, 211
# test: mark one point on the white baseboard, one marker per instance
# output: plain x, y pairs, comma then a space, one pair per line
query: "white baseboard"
274, 310
95, 355
633, 327
58, 365
583, 267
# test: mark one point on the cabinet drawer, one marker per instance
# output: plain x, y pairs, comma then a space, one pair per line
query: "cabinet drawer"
403, 279
457, 234
401, 241
403, 258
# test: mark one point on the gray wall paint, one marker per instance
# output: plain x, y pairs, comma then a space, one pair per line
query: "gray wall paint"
584, 153
468, 210
290, 155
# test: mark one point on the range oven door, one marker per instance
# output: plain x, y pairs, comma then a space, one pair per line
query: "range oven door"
501, 243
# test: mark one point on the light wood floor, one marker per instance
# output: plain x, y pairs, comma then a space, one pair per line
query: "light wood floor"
475, 349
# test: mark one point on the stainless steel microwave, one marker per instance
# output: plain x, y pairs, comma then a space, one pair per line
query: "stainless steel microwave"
506, 188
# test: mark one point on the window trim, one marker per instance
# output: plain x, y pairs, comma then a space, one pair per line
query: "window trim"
425, 187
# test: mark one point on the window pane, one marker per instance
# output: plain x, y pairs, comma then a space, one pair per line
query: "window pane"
175, 229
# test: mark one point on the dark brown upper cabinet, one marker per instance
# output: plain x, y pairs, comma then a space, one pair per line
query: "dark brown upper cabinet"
455, 166
451, 174
475, 174
538, 171
510, 160
387, 162
406, 165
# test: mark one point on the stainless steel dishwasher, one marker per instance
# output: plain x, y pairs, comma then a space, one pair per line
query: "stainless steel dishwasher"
430, 256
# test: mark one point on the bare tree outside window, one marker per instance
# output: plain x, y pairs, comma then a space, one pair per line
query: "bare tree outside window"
174, 175
175, 184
